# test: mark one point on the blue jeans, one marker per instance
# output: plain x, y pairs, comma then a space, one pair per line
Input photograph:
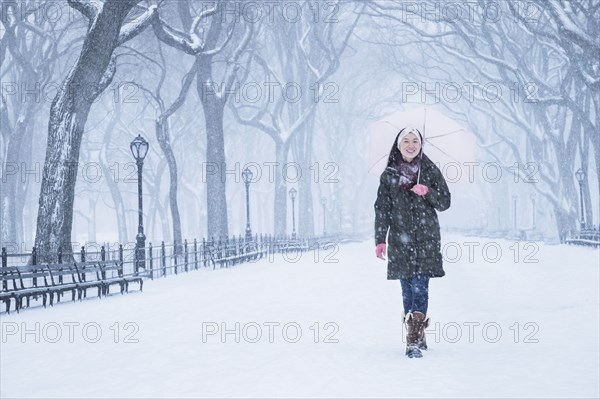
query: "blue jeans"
415, 293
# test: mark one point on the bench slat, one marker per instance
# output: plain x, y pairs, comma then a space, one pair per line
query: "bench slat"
58, 278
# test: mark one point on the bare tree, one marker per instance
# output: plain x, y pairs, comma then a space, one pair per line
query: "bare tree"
30, 50
115, 193
305, 55
163, 134
92, 72
550, 119
205, 45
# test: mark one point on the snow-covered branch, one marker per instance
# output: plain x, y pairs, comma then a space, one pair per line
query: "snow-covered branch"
174, 38
133, 28
89, 9
185, 87
568, 27
217, 50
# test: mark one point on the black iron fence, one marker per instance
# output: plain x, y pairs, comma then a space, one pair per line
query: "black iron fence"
163, 260
21, 272
589, 236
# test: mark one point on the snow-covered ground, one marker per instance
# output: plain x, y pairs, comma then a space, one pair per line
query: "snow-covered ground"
503, 326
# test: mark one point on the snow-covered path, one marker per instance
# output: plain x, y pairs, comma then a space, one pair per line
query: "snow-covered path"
502, 327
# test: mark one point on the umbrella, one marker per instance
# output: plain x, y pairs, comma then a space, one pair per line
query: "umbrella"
446, 142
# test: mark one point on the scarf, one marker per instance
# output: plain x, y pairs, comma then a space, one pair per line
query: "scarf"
408, 172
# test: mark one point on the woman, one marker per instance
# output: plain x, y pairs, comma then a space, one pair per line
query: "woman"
411, 190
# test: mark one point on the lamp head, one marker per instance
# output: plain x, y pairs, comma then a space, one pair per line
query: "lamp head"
139, 148
247, 175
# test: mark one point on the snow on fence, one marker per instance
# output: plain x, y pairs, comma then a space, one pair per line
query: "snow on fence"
225, 252
21, 272
587, 236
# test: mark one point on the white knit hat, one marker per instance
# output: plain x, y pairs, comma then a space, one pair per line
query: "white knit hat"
408, 130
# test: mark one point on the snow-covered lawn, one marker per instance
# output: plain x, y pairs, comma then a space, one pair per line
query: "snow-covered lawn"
502, 327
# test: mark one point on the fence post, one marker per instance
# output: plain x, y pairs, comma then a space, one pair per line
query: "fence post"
121, 258
151, 261
235, 244
213, 248
185, 255
34, 262
220, 250
266, 243
195, 254
204, 251
103, 258
225, 249
60, 261
163, 259
260, 244
4, 266
174, 256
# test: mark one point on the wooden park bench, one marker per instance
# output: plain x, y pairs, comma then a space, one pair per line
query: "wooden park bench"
13, 281
64, 278
50, 281
588, 237
108, 270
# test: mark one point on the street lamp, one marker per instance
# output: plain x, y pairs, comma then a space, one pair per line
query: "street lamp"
139, 148
324, 202
580, 175
247, 176
533, 209
293, 193
514, 197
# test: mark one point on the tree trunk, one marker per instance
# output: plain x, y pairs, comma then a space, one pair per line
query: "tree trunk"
14, 170
215, 167
162, 135
92, 220
303, 147
280, 203
11, 175
111, 182
68, 115
565, 222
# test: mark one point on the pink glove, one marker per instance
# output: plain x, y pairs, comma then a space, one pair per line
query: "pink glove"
380, 251
420, 189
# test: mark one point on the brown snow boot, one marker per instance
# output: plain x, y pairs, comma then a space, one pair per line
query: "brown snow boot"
422, 342
415, 322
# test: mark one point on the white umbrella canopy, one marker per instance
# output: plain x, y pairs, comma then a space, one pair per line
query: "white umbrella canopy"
446, 142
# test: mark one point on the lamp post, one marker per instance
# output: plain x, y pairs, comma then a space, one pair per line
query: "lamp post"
580, 175
139, 148
324, 202
514, 197
247, 177
533, 209
293, 193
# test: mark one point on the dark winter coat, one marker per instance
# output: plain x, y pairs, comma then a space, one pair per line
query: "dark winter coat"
414, 232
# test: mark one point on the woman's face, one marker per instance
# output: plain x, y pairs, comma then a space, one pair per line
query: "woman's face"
410, 147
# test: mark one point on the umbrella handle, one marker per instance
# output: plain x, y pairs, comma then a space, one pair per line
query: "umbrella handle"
422, 145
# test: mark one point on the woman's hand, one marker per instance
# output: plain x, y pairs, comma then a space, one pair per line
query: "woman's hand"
420, 189
380, 251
